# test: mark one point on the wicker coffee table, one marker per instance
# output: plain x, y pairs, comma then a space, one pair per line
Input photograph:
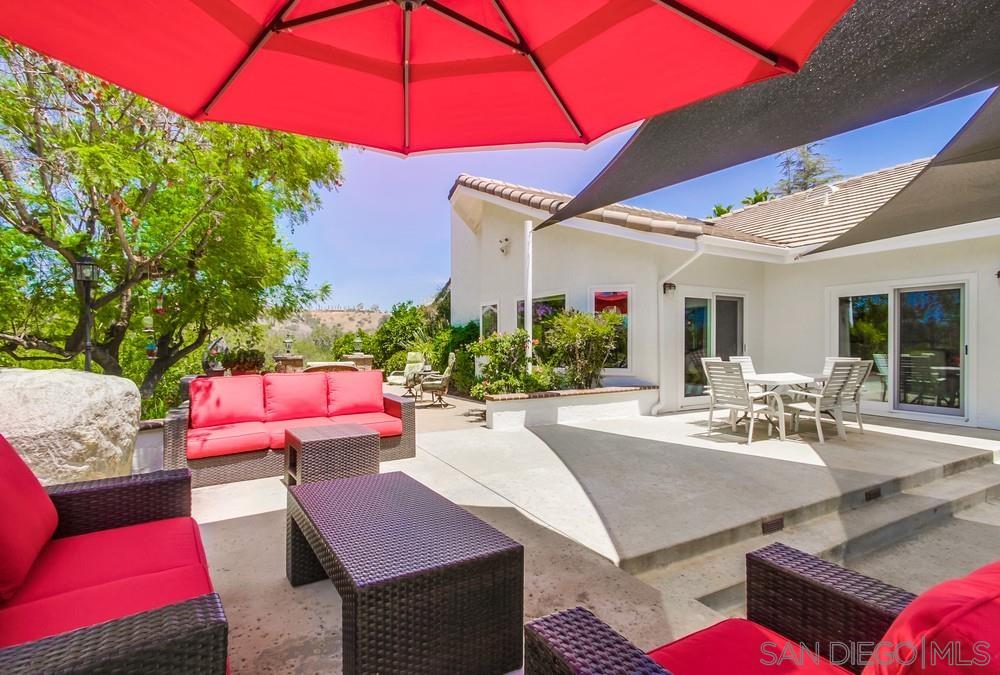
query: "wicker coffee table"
331, 451
426, 586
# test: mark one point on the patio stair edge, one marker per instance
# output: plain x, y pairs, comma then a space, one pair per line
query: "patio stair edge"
850, 499
717, 578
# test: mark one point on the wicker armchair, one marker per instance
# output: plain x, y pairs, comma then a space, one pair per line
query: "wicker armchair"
805, 599
186, 637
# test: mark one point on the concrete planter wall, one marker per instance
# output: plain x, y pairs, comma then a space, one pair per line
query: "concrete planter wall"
516, 411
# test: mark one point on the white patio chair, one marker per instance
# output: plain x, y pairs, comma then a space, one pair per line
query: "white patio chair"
827, 367
748, 369
828, 400
854, 387
728, 391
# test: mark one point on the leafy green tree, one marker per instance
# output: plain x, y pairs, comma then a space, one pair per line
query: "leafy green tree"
721, 210
406, 324
803, 168
179, 216
757, 197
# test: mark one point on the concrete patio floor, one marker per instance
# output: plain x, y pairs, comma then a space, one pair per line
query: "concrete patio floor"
642, 491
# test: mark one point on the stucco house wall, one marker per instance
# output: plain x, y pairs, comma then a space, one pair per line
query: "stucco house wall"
799, 318
790, 318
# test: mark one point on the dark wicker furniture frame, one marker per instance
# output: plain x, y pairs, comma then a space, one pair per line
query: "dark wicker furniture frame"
265, 462
426, 586
187, 637
804, 598
332, 451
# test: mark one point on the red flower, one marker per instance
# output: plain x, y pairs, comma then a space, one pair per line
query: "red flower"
535, 341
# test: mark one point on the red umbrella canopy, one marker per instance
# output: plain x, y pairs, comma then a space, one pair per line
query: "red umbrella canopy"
419, 75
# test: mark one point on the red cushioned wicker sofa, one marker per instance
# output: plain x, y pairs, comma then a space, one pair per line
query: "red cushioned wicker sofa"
805, 616
233, 428
104, 576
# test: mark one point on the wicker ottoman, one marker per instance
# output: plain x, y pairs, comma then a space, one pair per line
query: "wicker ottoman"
332, 451
426, 586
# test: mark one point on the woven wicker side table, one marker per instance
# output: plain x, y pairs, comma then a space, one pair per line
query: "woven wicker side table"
426, 587
332, 451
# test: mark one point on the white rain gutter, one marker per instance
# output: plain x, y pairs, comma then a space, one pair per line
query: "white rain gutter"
661, 311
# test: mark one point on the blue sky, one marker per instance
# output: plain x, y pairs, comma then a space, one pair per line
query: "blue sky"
384, 236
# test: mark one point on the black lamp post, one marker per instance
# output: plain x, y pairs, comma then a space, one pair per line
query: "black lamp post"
85, 271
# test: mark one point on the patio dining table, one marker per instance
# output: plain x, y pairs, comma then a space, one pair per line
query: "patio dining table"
772, 381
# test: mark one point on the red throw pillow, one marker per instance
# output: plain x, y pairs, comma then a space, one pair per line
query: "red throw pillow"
355, 392
289, 396
952, 629
28, 522
226, 400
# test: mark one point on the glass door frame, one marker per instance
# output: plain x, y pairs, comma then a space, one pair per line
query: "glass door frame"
890, 288
894, 313
710, 293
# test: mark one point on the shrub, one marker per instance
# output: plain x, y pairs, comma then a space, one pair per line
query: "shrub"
463, 375
582, 344
395, 362
504, 353
243, 359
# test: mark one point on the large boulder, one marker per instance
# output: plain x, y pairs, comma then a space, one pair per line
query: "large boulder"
70, 425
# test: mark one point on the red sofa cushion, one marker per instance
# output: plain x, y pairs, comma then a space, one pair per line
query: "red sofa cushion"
276, 430
740, 646
354, 392
951, 629
83, 580
226, 400
226, 439
90, 605
292, 395
384, 423
28, 519
95, 558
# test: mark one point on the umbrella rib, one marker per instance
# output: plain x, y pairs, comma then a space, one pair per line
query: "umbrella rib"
469, 23
533, 60
406, 76
343, 10
735, 39
262, 37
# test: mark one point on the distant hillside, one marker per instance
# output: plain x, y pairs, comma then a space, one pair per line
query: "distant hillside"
349, 320
336, 320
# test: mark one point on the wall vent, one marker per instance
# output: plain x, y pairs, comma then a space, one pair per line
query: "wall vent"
772, 525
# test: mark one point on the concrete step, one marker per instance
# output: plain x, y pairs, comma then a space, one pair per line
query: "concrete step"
717, 578
752, 528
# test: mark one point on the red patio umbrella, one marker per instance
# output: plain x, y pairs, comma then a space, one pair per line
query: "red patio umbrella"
418, 75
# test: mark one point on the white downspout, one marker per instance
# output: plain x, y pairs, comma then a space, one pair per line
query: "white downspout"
661, 403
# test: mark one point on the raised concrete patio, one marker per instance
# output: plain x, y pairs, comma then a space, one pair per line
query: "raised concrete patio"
642, 491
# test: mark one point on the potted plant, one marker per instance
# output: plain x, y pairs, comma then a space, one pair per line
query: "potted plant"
243, 361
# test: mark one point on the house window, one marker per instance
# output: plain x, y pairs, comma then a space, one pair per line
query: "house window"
617, 301
544, 309
488, 316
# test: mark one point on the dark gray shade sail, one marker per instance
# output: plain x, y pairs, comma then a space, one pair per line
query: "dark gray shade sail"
885, 58
960, 185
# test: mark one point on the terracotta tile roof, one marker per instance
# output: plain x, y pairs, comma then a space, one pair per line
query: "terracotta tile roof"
819, 215
806, 218
632, 217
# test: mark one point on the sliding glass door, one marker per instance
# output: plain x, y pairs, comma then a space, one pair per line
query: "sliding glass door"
713, 326
915, 338
930, 349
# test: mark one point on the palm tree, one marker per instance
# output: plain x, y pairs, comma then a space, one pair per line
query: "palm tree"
721, 210
757, 197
